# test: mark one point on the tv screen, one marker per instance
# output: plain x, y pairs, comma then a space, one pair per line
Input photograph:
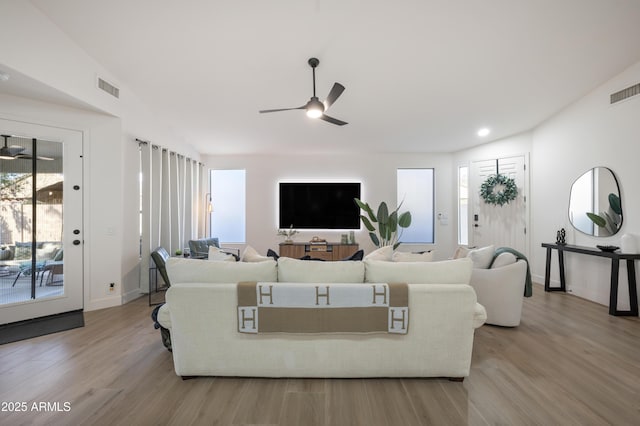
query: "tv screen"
319, 205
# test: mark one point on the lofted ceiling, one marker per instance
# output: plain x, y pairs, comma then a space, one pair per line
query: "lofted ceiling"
420, 75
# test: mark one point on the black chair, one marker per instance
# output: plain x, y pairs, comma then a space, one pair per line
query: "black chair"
160, 257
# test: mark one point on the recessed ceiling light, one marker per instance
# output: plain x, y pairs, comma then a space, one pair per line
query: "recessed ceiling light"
484, 132
4, 76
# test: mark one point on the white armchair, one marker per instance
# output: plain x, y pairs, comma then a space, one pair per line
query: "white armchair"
501, 292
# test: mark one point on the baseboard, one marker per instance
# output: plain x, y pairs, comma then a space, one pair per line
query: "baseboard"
35, 327
132, 295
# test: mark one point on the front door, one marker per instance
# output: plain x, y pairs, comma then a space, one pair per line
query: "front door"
41, 254
502, 226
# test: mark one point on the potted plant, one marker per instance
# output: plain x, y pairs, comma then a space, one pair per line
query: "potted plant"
389, 225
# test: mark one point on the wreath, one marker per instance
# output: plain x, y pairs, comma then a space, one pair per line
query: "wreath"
498, 190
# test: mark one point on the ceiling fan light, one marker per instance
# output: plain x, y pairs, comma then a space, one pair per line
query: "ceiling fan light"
315, 108
314, 113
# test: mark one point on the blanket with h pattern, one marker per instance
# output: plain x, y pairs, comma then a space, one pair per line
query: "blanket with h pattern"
322, 308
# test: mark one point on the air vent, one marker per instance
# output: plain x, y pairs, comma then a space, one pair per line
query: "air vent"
625, 93
109, 88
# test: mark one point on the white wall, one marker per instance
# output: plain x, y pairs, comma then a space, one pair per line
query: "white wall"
34, 47
589, 133
377, 172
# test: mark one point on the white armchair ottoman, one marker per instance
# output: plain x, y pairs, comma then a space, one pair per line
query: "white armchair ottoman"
501, 291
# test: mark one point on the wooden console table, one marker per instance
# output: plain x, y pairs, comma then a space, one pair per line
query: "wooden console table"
328, 251
615, 269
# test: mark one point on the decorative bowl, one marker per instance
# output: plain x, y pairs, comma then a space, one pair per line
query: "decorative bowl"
608, 248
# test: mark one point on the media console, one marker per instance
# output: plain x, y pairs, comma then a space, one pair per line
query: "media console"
325, 251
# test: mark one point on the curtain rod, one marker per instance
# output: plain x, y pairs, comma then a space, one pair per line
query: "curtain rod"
142, 142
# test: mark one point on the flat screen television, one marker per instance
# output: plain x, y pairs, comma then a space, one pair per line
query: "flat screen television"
317, 205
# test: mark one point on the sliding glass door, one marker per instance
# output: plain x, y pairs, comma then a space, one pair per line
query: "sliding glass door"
40, 222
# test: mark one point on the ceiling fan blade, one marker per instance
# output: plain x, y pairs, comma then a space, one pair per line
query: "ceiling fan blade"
332, 120
334, 94
280, 109
29, 157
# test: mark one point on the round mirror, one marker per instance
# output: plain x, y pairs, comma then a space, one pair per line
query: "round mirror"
594, 205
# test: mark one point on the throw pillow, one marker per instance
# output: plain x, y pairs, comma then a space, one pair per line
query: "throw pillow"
272, 254
460, 253
251, 255
503, 259
355, 256
217, 255
383, 253
400, 256
482, 257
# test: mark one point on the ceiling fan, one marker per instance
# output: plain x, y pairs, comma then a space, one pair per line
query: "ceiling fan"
315, 108
16, 151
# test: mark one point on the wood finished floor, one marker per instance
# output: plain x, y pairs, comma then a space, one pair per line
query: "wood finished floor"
569, 363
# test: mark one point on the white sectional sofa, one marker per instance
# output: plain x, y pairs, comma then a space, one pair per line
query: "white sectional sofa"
201, 312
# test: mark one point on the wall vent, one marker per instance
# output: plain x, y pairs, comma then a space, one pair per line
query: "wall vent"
109, 88
625, 93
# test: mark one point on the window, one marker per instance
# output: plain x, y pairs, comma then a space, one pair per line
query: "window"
228, 205
416, 193
463, 205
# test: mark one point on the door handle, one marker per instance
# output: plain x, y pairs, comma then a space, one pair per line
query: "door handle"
76, 242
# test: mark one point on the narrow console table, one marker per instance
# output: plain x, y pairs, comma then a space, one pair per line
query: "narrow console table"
615, 269
328, 251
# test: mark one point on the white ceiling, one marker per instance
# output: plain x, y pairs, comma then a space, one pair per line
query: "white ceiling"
420, 76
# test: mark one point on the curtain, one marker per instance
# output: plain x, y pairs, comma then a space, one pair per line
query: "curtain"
172, 192
145, 219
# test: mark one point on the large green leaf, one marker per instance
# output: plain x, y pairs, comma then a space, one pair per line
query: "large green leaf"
375, 239
614, 202
383, 230
393, 222
383, 213
598, 220
404, 221
367, 224
365, 206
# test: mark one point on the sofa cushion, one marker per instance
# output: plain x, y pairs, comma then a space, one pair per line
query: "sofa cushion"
442, 272
383, 253
503, 259
403, 256
185, 270
482, 257
295, 270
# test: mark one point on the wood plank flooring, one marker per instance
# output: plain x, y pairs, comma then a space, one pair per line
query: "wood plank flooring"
569, 363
